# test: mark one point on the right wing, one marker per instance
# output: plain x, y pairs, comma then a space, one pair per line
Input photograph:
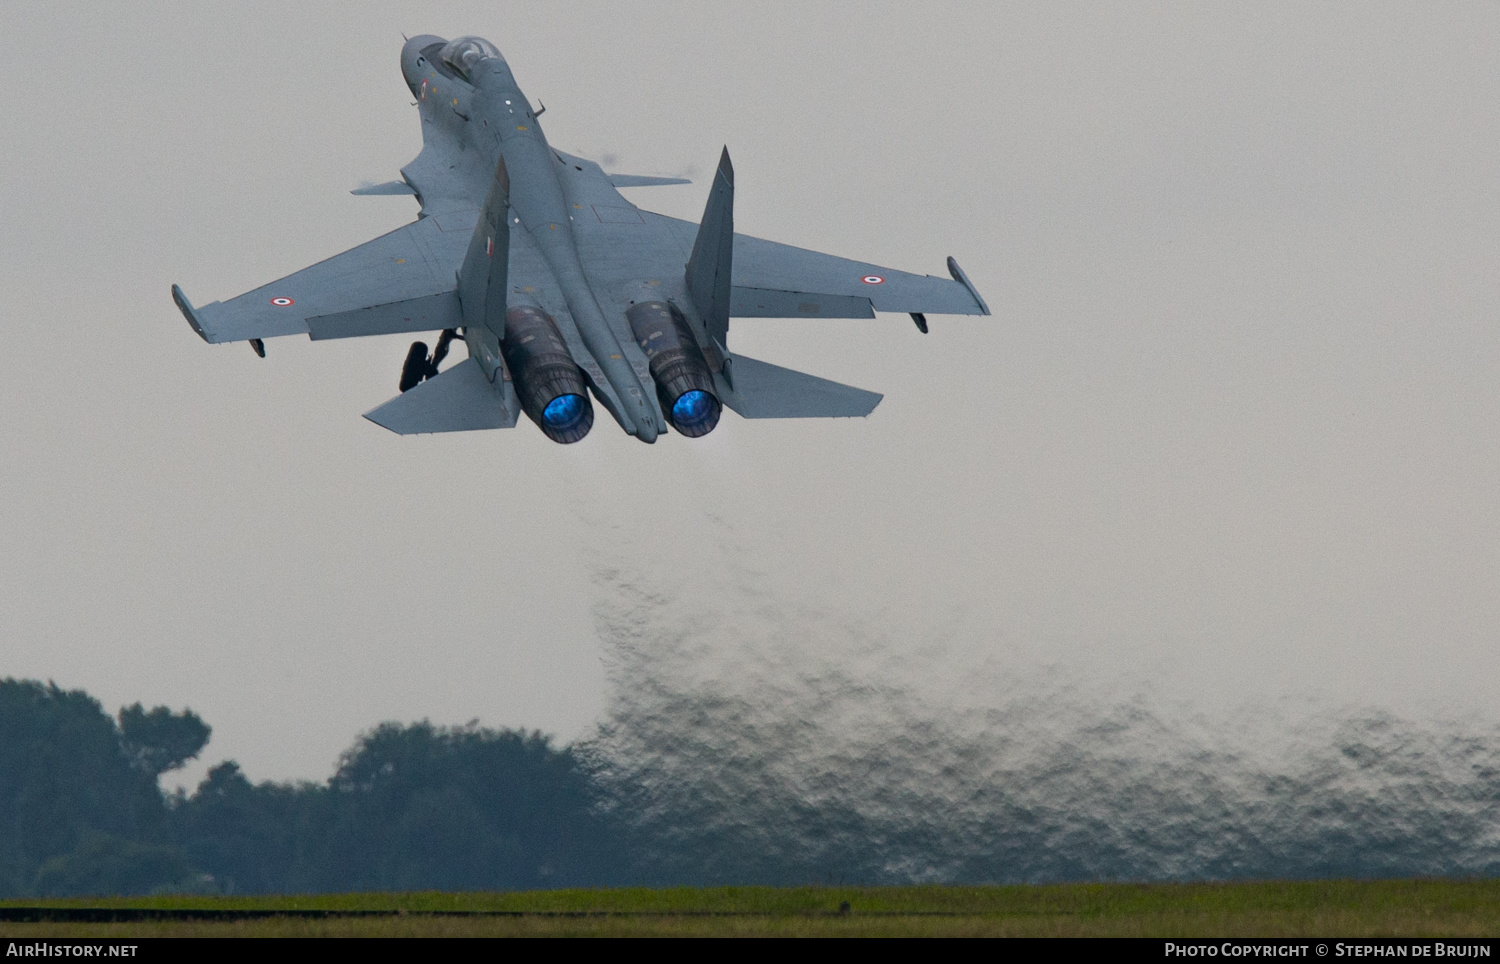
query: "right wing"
773, 280
401, 281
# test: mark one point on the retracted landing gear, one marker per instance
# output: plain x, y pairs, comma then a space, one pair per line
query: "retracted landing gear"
419, 366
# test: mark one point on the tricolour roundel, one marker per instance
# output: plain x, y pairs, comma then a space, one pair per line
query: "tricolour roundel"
282, 302
873, 279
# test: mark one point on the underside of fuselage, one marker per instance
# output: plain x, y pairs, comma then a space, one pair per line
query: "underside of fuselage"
565, 293
475, 117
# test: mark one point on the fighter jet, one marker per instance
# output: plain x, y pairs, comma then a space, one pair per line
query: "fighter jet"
563, 291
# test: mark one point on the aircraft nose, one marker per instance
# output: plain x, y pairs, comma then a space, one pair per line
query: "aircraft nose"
411, 54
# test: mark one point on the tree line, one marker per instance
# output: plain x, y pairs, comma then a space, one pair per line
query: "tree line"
418, 806
409, 807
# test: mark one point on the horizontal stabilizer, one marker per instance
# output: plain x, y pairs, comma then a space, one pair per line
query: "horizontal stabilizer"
428, 313
460, 399
389, 187
757, 389
642, 180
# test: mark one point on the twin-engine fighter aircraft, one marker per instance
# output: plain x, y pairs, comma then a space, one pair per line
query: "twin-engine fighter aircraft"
560, 287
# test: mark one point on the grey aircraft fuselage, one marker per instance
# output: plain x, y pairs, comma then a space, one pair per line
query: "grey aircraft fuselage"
490, 116
561, 288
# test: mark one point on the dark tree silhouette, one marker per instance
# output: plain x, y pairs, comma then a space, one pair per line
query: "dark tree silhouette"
410, 807
422, 806
254, 839
161, 740
105, 865
66, 783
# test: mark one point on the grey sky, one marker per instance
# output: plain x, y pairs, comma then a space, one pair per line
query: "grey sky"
1232, 427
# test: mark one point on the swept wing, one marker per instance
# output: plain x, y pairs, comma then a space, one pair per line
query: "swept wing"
401, 281
770, 280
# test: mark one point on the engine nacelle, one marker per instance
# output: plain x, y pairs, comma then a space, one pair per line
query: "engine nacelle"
683, 382
550, 384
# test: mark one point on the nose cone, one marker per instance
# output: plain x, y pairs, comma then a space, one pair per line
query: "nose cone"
413, 67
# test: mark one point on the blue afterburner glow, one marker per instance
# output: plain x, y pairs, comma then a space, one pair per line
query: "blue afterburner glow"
692, 408
564, 411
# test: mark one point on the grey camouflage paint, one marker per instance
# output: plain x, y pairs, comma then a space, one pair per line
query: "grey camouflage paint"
579, 251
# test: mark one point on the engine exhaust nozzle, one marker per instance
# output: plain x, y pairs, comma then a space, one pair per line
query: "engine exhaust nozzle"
550, 383
683, 383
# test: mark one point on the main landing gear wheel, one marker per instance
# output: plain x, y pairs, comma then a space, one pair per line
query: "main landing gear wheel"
416, 366
419, 366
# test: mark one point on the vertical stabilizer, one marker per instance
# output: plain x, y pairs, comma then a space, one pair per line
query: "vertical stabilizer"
708, 268
481, 281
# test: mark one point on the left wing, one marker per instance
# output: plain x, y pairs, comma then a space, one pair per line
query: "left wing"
401, 281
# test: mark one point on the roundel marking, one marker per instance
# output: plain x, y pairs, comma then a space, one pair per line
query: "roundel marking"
873, 279
282, 302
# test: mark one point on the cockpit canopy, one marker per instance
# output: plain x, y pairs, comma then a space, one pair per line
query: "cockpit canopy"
462, 53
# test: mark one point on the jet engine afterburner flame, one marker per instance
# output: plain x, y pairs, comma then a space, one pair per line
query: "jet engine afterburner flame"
551, 385
683, 381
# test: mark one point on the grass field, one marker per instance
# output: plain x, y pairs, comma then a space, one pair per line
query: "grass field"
1409, 908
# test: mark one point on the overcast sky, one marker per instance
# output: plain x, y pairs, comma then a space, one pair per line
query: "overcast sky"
1233, 427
